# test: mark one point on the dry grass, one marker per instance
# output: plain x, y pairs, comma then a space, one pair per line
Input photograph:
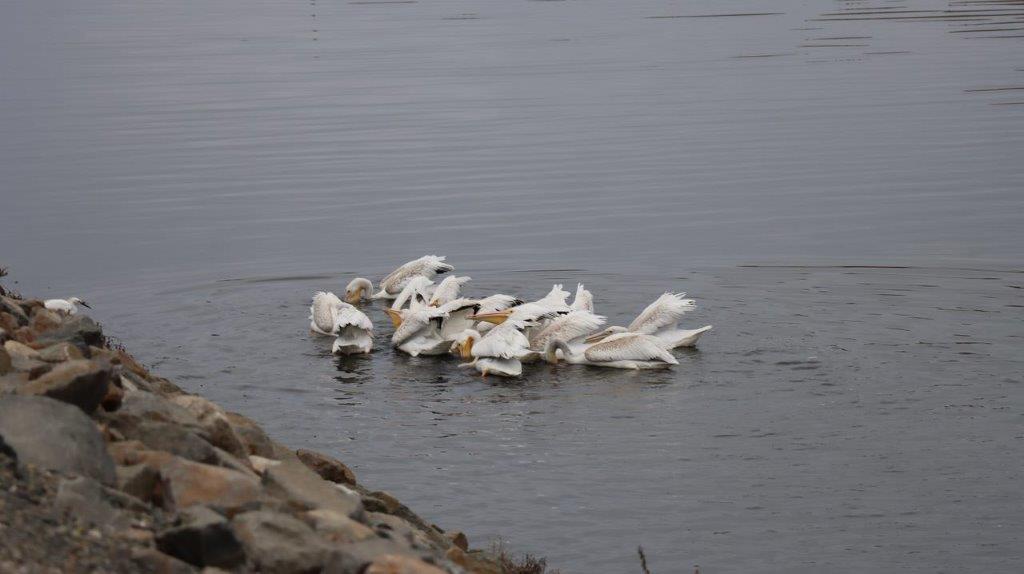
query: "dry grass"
527, 564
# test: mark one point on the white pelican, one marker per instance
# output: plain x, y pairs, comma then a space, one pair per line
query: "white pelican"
457, 319
67, 306
448, 290
501, 351
584, 300
428, 266
661, 319
357, 289
541, 310
570, 328
621, 350
353, 330
415, 293
418, 332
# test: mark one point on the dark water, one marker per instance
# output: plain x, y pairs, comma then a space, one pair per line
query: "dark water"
197, 169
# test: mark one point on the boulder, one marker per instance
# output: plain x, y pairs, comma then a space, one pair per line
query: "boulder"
338, 528
328, 468
474, 562
260, 464
392, 564
458, 538
76, 329
202, 538
401, 530
301, 487
218, 430
149, 406
159, 435
44, 320
82, 383
85, 499
185, 483
6, 365
55, 435
152, 560
256, 441
11, 306
59, 353
140, 481
356, 557
277, 543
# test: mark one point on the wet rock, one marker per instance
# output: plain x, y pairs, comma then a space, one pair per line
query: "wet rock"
11, 306
256, 441
185, 483
277, 543
328, 468
68, 441
59, 353
86, 500
292, 481
202, 538
76, 329
140, 481
338, 528
218, 430
81, 383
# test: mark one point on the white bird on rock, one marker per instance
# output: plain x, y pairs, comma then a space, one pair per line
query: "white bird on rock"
67, 306
621, 350
660, 319
428, 266
352, 329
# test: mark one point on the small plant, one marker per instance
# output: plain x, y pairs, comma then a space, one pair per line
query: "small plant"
528, 564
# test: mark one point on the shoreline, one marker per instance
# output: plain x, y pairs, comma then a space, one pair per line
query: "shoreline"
132, 473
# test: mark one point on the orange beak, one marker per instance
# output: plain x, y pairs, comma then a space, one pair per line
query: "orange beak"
396, 317
497, 317
466, 349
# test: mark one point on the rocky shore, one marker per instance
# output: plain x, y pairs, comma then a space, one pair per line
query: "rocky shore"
107, 467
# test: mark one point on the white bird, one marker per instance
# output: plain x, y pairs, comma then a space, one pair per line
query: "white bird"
621, 350
541, 310
501, 351
418, 332
67, 306
448, 290
352, 329
428, 266
584, 300
661, 319
357, 289
415, 293
570, 328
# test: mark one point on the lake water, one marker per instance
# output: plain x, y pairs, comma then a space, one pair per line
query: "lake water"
840, 185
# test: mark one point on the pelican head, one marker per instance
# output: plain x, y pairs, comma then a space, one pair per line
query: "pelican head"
463, 343
605, 333
396, 316
497, 317
77, 301
356, 289
552, 348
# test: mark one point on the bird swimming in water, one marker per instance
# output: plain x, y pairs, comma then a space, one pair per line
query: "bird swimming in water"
351, 328
621, 350
428, 266
661, 319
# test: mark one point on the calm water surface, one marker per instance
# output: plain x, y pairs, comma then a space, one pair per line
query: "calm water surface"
839, 184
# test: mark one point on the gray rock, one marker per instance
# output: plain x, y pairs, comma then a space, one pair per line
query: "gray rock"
327, 467
138, 480
203, 538
302, 487
82, 383
11, 306
354, 558
277, 543
55, 435
77, 329
158, 435
153, 407
256, 441
60, 352
215, 423
6, 365
85, 499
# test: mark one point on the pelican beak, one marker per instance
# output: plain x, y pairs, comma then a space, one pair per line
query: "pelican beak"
355, 296
396, 317
466, 349
84, 304
595, 337
433, 303
497, 317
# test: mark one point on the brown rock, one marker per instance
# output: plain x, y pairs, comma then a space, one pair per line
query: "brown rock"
11, 306
384, 502
19, 350
293, 482
112, 400
277, 543
260, 464
202, 537
458, 538
328, 468
152, 560
140, 481
337, 527
81, 383
5, 362
44, 320
400, 529
393, 564
8, 325
473, 562
126, 453
253, 438
356, 557
185, 483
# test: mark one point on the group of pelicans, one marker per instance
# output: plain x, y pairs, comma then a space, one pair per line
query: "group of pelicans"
497, 334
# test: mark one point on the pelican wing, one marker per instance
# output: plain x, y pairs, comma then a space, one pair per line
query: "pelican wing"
498, 302
629, 347
584, 300
457, 315
414, 323
665, 312
428, 266
556, 298
416, 289
448, 290
346, 315
321, 312
505, 341
532, 312
567, 328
